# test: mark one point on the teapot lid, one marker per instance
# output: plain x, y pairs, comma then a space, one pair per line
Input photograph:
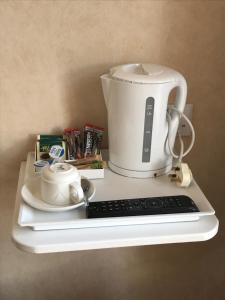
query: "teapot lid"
59, 173
145, 73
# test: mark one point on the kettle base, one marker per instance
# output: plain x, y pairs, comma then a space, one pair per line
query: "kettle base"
139, 174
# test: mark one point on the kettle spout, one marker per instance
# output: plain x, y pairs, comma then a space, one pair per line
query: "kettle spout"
105, 87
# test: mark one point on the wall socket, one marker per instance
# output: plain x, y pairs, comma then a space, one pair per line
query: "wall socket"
184, 128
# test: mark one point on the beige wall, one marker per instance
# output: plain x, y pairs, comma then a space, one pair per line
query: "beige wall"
51, 56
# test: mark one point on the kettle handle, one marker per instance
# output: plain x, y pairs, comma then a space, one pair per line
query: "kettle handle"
179, 104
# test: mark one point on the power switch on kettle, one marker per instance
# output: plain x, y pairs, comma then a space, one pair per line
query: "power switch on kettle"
147, 137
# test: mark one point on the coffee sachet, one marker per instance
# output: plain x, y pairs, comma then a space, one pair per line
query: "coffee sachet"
92, 140
74, 143
88, 140
97, 140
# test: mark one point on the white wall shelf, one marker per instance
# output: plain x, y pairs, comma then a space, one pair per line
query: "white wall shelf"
49, 241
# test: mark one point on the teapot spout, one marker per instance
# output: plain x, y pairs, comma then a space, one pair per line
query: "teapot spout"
105, 79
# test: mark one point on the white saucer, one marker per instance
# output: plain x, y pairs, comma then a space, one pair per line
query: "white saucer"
31, 195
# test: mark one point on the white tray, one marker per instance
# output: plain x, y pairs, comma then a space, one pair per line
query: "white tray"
114, 187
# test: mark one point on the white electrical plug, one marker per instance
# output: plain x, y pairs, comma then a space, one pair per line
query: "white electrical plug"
183, 176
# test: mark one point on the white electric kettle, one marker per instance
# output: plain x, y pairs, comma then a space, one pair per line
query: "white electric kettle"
136, 97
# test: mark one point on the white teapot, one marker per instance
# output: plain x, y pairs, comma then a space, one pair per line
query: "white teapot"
61, 185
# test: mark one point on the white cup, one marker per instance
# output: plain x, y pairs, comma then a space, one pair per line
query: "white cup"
61, 185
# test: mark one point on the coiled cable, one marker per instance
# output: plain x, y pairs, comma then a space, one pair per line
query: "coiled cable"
169, 119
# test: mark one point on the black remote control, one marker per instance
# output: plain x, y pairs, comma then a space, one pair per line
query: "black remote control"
142, 206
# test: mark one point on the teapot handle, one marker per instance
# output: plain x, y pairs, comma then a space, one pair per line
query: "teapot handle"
76, 192
179, 104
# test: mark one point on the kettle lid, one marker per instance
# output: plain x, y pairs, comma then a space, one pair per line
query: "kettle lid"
144, 73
